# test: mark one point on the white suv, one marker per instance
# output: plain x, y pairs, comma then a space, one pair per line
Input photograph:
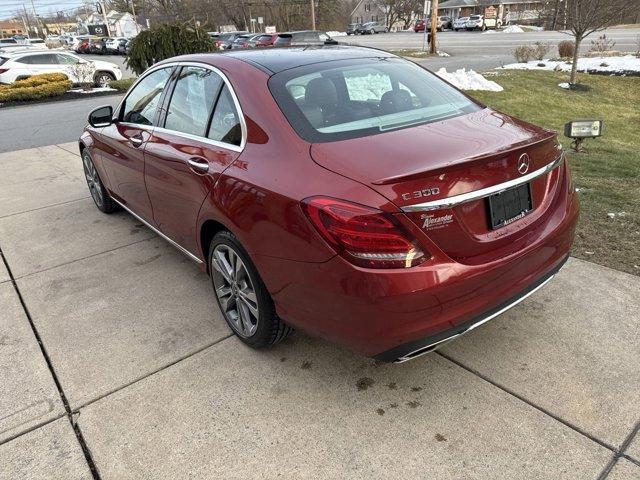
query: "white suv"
19, 65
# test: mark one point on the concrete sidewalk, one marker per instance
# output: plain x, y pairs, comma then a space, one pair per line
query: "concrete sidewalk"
115, 363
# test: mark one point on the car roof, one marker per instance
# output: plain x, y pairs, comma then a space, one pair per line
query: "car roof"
276, 60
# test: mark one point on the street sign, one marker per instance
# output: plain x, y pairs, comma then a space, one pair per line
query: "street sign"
260, 20
490, 12
270, 29
427, 6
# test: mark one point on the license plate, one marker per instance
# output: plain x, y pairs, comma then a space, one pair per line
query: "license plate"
511, 205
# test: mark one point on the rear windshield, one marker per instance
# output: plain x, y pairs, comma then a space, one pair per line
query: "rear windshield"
354, 98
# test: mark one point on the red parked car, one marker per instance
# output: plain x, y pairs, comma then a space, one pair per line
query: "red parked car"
264, 40
340, 190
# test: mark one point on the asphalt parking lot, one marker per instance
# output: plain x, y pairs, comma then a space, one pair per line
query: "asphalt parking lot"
116, 364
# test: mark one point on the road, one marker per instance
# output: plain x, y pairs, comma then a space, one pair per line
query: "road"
49, 123
482, 51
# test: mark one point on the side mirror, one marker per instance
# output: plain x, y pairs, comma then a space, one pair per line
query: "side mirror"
101, 117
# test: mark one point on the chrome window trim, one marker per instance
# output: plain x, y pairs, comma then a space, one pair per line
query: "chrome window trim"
483, 192
158, 232
431, 347
236, 102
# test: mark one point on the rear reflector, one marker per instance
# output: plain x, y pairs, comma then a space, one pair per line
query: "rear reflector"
365, 236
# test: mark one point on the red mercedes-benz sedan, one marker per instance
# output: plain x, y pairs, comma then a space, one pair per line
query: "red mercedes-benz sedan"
343, 191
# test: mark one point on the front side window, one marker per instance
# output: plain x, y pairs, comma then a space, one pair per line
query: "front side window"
192, 100
225, 123
142, 102
354, 98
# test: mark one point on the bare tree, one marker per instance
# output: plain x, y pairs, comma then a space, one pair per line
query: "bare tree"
585, 17
399, 10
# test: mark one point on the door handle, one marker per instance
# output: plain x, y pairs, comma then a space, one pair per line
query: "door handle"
136, 140
199, 164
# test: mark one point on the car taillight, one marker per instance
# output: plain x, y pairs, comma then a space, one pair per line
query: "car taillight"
3, 70
365, 236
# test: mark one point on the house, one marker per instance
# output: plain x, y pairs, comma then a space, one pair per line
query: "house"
120, 24
9, 28
368, 11
457, 8
508, 11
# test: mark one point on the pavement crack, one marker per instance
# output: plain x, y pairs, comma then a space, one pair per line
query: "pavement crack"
530, 403
76, 428
154, 372
617, 455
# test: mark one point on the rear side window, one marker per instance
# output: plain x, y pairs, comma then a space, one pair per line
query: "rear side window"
193, 100
141, 104
3, 59
225, 123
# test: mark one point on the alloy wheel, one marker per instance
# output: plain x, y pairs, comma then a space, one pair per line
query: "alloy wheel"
235, 290
93, 180
103, 81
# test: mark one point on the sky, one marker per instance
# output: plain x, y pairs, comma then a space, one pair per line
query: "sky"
8, 8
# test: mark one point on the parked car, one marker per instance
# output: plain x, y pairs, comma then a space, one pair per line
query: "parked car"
383, 248
419, 26
303, 37
112, 45
126, 48
460, 23
243, 41
263, 40
476, 22
352, 28
225, 40
82, 45
371, 28
444, 23
77, 41
8, 41
97, 46
23, 64
36, 41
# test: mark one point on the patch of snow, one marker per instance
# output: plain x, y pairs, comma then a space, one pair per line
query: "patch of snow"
513, 29
468, 80
589, 253
442, 54
336, 34
93, 90
564, 85
627, 63
614, 215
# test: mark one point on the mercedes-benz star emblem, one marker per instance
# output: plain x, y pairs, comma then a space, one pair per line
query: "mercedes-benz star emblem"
523, 164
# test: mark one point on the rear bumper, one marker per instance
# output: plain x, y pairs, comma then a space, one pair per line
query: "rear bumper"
416, 348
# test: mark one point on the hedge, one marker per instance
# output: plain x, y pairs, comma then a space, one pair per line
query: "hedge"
35, 87
122, 85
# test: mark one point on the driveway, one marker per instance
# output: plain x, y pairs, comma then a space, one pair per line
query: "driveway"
116, 364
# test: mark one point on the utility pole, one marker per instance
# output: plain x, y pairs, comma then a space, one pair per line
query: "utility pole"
434, 25
313, 14
104, 17
35, 18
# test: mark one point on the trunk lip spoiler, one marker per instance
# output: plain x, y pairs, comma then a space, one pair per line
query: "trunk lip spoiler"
455, 200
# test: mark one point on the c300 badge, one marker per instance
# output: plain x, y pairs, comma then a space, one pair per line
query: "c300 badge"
431, 222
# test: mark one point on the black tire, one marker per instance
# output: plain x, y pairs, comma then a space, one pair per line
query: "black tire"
269, 329
102, 79
99, 194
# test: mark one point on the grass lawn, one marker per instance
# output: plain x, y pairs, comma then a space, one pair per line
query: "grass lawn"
608, 174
